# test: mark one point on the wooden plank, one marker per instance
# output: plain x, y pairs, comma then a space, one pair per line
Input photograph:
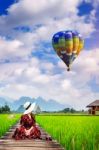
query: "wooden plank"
7, 143
36, 146
49, 144
27, 141
29, 148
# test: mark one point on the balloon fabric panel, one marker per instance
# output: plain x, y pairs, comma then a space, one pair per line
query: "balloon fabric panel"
67, 45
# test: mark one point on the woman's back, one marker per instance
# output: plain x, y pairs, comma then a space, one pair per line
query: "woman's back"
27, 121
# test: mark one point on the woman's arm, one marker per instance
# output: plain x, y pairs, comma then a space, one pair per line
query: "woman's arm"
22, 120
33, 117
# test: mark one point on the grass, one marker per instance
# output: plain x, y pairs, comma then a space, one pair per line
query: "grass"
73, 132
6, 121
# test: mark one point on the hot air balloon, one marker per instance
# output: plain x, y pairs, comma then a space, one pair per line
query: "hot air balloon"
67, 45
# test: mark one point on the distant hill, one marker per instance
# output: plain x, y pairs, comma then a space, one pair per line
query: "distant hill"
36, 109
2, 101
16, 104
50, 105
20, 109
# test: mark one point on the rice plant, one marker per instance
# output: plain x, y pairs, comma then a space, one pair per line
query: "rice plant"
73, 132
6, 121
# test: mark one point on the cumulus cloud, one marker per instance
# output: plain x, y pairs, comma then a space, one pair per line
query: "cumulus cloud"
13, 49
22, 73
44, 20
40, 12
68, 88
47, 15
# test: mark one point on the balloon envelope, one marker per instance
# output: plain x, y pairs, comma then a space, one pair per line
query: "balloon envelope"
67, 45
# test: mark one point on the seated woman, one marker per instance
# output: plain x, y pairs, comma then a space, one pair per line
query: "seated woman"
28, 128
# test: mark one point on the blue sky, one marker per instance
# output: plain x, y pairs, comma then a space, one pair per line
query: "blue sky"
28, 61
84, 8
4, 4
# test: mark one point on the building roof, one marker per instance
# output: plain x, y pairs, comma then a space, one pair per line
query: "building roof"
95, 103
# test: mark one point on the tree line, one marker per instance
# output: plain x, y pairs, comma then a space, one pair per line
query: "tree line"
5, 109
69, 110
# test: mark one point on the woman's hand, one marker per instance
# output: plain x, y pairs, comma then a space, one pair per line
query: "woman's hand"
27, 132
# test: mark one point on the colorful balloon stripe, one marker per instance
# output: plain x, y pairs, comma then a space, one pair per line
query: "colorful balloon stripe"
67, 45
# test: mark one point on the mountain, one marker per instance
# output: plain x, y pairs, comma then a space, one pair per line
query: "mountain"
50, 105
6, 100
2, 101
16, 104
36, 109
20, 109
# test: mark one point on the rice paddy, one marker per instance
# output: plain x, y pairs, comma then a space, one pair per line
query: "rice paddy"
73, 132
6, 121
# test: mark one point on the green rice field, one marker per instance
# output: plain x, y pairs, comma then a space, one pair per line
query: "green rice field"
73, 132
6, 121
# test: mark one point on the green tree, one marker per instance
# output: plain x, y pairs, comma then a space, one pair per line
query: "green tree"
5, 109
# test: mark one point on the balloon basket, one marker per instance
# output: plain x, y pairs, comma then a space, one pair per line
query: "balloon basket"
68, 69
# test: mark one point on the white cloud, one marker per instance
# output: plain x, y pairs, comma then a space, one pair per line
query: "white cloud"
40, 12
72, 88
53, 16
66, 84
40, 77
11, 49
50, 20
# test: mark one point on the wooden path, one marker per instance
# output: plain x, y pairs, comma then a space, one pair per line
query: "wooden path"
7, 143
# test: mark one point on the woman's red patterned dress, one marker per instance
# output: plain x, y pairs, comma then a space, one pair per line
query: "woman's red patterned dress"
25, 124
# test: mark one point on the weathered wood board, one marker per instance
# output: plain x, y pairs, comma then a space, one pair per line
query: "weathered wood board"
7, 143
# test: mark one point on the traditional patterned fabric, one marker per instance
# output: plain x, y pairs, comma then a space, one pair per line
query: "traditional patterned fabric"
25, 124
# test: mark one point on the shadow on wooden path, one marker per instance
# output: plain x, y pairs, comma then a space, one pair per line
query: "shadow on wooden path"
7, 143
